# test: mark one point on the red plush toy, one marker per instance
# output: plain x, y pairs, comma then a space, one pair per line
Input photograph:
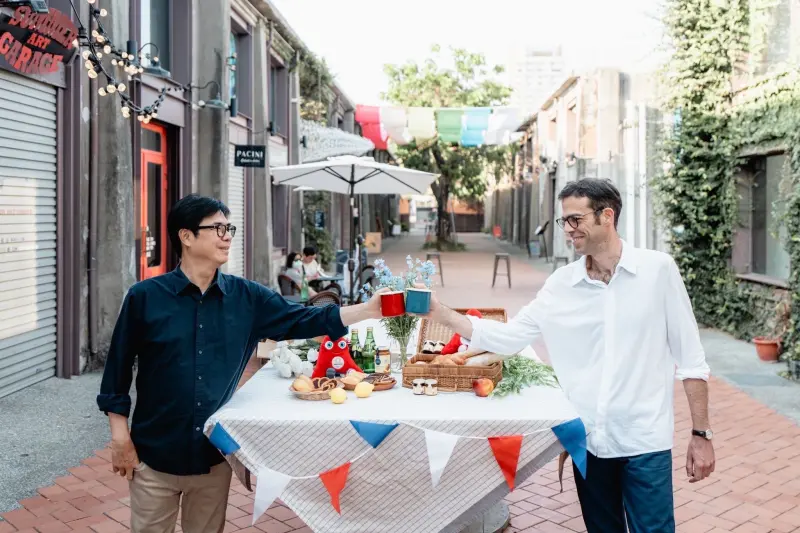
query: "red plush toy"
456, 344
334, 355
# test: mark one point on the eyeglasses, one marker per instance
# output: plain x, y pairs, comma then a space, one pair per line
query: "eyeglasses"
574, 220
222, 229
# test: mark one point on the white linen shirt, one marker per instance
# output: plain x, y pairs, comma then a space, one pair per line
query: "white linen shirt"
614, 348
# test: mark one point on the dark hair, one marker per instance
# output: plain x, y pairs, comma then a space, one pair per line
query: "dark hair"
309, 250
290, 259
188, 213
601, 193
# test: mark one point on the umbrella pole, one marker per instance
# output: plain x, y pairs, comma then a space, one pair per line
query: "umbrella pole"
351, 260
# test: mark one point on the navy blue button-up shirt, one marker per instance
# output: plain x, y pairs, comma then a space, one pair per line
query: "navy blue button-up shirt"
192, 350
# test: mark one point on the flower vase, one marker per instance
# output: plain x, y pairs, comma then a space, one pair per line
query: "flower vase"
399, 354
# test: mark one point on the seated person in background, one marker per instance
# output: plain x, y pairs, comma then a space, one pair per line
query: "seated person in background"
294, 269
313, 270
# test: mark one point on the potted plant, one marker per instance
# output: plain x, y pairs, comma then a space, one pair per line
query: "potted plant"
768, 347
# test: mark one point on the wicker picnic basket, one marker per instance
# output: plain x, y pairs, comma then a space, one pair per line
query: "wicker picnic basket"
450, 378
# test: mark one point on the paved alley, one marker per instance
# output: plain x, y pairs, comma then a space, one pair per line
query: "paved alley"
756, 486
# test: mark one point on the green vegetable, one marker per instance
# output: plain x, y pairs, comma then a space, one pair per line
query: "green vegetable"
520, 372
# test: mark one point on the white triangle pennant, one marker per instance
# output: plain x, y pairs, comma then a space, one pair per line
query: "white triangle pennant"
269, 485
440, 448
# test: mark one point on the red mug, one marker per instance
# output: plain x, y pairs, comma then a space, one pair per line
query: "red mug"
393, 304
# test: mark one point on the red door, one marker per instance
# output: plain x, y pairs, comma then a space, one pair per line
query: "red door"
153, 213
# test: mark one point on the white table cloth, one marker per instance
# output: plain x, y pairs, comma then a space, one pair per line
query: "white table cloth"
389, 488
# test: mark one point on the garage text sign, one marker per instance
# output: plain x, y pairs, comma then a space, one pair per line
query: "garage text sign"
36, 43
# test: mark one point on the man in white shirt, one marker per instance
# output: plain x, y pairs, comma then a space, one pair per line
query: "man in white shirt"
619, 327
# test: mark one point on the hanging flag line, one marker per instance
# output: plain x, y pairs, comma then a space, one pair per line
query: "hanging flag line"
467, 126
506, 450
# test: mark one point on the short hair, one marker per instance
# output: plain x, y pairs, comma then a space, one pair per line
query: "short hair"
602, 194
188, 213
309, 250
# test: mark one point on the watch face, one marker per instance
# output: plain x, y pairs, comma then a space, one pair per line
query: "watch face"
709, 434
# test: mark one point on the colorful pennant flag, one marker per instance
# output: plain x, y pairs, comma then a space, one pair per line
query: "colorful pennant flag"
450, 124
222, 440
572, 435
371, 432
421, 123
269, 486
440, 447
472, 138
375, 133
368, 114
394, 121
506, 453
335, 480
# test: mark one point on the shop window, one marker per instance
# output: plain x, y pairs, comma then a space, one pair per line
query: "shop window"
278, 99
233, 73
156, 24
769, 256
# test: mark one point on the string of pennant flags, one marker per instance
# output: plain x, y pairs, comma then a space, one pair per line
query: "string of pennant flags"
467, 126
506, 450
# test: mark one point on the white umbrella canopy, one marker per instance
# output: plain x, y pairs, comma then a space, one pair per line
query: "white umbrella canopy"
354, 175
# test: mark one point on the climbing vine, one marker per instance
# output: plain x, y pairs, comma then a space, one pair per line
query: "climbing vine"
315, 82
716, 44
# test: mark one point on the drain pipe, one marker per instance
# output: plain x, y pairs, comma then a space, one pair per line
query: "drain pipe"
94, 187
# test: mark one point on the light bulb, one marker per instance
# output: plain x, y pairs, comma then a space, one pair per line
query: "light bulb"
140, 118
124, 55
195, 107
125, 109
103, 12
85, 54
101, 91
91, 1
141, 69
154, 115
89, 65
201, 103
111, 89
147, 120
92, 74
115, 62
155, 59
76, 44
100, 39
121, 87
99, 55
95, 33
107, 49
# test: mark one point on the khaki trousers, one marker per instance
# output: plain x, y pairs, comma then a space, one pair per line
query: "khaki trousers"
156, 498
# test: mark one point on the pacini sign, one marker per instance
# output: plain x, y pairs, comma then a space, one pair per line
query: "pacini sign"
249, 156
36, 43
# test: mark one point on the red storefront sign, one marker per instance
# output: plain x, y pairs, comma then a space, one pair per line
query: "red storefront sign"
36, 43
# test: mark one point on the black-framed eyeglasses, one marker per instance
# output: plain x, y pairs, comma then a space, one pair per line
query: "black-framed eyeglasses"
222, 229
574, 220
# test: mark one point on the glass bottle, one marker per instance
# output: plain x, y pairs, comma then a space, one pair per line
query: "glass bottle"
355, 349
368, 353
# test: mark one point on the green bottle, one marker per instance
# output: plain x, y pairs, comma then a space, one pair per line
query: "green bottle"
304, 287
368, 353
355, 349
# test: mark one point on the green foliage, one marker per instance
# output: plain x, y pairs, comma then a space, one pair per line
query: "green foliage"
698, 191
314, 201
315, 82
520, 372
461, 79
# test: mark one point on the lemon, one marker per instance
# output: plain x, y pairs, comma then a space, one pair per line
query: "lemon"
338, 395
364, 389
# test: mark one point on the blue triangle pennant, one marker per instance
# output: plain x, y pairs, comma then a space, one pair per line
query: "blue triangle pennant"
373, 433
223, 440
572, 435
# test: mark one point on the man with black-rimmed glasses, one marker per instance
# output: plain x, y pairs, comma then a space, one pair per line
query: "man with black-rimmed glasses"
193, 330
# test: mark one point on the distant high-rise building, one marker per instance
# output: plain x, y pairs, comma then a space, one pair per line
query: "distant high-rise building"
534, 74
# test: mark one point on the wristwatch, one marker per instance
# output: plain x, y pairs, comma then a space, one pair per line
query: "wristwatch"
707, 434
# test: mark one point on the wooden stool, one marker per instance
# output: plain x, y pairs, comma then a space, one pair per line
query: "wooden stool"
438, 258
497, 257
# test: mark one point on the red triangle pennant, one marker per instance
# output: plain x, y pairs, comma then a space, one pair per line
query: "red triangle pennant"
506, 452
335, 480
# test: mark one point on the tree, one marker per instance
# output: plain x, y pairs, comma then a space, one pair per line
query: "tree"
467, 83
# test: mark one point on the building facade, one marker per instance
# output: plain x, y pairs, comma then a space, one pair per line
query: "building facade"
85, 190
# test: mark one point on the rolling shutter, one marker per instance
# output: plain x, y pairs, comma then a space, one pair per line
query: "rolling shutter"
27, 232
235, 263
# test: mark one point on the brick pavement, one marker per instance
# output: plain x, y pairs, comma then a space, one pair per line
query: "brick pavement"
756, 486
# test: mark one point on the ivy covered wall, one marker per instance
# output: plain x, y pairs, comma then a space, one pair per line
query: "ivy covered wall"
714, 128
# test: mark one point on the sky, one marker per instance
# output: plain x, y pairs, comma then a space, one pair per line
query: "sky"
357, 37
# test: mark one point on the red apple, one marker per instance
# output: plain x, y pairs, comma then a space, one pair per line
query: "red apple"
482, 387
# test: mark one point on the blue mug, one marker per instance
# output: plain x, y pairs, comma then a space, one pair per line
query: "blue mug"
418, 301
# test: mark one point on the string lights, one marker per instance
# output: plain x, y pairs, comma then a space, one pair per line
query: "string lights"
125, 66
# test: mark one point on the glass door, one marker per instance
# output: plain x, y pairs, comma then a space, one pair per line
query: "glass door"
154, 194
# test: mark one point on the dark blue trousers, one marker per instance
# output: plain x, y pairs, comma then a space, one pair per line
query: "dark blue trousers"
634, 490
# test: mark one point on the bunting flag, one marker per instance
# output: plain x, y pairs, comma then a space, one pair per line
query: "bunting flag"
472, 138
376, 134
572, 435
394, 121
450, 124
269, 486
335, 480
421, 123
440, 447
371, 432
368, 114
506, 453
222, 440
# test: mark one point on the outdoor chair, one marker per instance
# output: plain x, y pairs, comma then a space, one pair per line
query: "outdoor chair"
325, 298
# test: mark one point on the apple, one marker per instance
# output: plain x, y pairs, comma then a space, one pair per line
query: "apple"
482, 387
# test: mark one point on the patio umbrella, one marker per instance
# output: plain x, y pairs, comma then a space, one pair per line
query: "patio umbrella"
354, 175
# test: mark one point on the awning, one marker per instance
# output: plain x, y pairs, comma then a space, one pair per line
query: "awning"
323, 142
